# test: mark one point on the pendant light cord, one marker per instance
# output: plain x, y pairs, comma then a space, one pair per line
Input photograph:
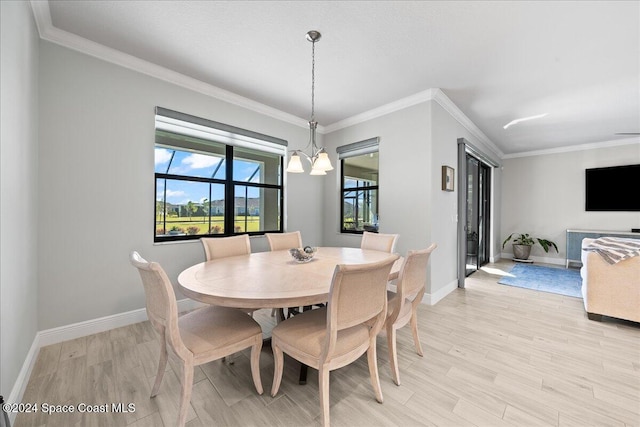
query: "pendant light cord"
313, 79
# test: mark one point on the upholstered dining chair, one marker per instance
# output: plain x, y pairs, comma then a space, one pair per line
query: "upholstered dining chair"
222, 247
379, 242
336, 335
280, 241
198, 337
403, 304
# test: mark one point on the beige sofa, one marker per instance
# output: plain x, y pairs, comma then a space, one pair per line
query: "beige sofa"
610, 290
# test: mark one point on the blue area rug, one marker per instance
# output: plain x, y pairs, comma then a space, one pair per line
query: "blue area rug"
546, 279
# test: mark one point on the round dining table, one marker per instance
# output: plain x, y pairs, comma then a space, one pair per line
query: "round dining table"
272, 279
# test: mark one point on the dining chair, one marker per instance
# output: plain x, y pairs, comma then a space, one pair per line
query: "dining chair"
280, 241
379, 242
222, 247
403, 304
198, 337
338, 334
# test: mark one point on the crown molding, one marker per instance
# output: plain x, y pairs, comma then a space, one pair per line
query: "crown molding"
55, 35
581, 147
433, 94
42, 16
446, 103
391, 107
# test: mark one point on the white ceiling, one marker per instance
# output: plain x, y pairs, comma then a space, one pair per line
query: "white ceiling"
578, 62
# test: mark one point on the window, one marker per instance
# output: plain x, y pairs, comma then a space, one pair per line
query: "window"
213, 179
359, 186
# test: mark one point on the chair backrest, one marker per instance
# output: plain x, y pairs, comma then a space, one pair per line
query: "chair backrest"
280, 241
222, 247
379, 242
412, 278
358, 294
162, 309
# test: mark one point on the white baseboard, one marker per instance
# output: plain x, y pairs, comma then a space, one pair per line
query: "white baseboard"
23, 377
544, 260
77, 330
94, 326
432, 299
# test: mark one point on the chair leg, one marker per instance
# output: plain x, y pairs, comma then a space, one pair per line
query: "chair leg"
393, 354
302, 377
414, 330
323, 385
185, 393
162, 366
255, 364
594, 316
230, 359
278, 361
372, 359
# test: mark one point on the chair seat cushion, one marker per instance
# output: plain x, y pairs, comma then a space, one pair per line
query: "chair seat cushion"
214, 327
309, 329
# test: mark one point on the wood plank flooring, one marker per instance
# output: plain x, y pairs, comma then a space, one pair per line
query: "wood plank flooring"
494, 355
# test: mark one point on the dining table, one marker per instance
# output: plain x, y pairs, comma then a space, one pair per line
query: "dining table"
273, 279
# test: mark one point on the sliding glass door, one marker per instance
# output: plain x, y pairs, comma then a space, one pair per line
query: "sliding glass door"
477, 214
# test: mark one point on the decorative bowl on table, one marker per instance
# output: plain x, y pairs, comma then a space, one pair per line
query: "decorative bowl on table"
303, 254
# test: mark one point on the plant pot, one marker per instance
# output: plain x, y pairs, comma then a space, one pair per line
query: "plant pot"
521, 251
472, 247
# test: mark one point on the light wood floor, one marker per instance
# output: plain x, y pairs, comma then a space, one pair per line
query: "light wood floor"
494, 355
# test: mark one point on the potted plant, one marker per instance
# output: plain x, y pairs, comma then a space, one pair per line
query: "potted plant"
472, 243
522, 244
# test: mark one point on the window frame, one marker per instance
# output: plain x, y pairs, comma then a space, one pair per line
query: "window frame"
230, 137
345, 152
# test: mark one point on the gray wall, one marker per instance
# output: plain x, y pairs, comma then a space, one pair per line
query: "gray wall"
543, 195
445, 132
414, 144
18, 188
404, 189
96, 186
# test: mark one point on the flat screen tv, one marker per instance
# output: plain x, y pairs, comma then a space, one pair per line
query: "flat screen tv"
613, 189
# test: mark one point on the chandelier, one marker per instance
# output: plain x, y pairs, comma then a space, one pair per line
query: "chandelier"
318, 158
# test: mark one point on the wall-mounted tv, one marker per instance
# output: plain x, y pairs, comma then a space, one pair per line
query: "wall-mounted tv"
613, 189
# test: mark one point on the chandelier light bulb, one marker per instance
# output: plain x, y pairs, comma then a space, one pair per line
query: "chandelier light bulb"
323, 162
295, 165
317, 171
